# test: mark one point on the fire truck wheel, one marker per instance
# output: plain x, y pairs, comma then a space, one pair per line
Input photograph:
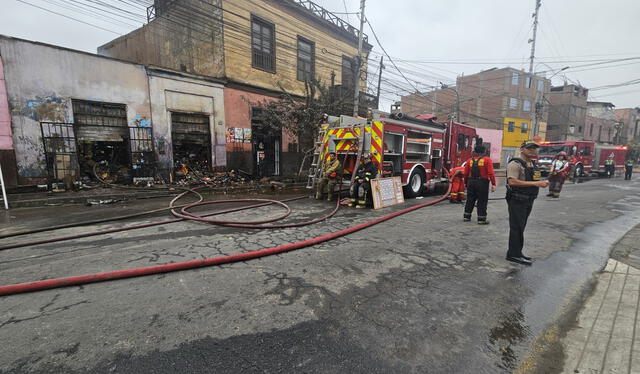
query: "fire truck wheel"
416, 183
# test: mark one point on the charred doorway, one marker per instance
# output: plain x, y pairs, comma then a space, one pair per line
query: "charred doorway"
266, 143
191, 138
102, 135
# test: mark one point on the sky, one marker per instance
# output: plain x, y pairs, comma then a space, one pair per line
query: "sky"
430, 41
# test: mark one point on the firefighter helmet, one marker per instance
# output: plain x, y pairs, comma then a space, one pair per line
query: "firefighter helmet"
563, 154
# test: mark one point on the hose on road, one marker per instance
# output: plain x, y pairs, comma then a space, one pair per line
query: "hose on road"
213, 261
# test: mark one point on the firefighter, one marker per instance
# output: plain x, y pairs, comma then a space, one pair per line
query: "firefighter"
478, 172
329, 177
523, 183
558, 173
610, 166
457, 185
360, 191
628, 169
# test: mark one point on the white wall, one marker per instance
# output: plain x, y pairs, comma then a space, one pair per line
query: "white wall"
178, 92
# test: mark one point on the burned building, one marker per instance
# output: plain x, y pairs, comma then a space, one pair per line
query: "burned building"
70, 111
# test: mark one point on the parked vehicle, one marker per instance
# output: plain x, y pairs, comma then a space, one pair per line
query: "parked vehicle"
415, 149
587, 157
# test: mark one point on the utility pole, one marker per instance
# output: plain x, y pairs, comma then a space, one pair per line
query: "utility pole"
379, 82
356, 88
533, 40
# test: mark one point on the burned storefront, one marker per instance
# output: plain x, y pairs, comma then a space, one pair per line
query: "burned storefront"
99, 143
90, 114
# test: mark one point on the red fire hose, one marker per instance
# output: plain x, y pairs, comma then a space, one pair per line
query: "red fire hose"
130, 273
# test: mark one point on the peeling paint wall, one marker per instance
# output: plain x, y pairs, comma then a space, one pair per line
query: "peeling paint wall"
42, 80
172, 43
175, 93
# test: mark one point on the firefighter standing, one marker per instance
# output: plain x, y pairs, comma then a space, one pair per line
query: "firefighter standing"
610, 166
523, 183
329, 177
457, 185
557, 174
360, 191
628, 169
478, 172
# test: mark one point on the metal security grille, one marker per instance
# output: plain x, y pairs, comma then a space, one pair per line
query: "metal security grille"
191, 138
99, 114
60, 150
142, 155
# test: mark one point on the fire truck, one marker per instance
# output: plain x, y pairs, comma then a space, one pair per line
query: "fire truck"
587, 157
417, 150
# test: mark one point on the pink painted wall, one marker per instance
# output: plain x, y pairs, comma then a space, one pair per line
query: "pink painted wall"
6, 141
237, 113
495, 138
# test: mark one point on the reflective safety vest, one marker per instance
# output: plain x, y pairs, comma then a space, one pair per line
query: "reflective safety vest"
629, 163
609, 162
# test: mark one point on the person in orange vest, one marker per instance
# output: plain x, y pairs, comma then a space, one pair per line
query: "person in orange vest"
457, 185
478, 172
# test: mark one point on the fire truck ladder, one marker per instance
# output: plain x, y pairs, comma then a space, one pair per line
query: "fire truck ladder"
316, 164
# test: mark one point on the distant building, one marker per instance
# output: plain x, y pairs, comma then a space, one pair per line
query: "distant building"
629, 118
601, 123
504, 99
567, 112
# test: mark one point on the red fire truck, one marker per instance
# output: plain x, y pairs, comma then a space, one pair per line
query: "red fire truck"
587, 157
414, 149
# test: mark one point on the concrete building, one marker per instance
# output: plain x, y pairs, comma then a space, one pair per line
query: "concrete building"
601, 124
262, 49
69, 110
567, 112
629, 118
502, 99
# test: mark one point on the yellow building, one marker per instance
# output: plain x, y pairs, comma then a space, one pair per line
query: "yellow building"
516, 131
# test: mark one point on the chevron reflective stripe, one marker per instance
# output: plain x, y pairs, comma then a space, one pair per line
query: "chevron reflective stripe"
376, 141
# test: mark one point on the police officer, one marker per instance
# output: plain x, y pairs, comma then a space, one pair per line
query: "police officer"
628, 169
360, 191
523, 182
478, 172
329, 177
610, 166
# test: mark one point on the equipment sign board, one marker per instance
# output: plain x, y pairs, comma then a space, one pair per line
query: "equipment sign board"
386, 192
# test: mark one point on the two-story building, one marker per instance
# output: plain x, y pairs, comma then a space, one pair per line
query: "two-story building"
601, 124
262, 49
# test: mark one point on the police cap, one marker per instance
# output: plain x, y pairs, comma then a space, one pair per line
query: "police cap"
529, 144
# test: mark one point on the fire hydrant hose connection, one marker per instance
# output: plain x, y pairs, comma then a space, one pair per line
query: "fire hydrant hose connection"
184, 214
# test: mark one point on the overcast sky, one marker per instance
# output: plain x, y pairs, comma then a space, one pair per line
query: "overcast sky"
433, 40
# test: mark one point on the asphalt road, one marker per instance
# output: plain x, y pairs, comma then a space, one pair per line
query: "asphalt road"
422, 293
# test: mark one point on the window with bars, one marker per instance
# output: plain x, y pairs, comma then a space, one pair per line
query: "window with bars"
263, 52
526, 105
306, 57
515, 78
348, 72
94, 113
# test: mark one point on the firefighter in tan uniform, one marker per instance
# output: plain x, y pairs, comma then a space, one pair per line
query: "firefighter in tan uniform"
329, 177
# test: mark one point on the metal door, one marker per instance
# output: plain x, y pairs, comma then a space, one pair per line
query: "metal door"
59, 142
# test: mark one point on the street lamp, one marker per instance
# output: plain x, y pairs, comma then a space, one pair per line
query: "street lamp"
445, 87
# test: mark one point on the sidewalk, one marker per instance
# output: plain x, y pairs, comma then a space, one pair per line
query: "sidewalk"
606, 337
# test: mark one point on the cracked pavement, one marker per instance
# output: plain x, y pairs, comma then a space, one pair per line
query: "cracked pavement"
423, 292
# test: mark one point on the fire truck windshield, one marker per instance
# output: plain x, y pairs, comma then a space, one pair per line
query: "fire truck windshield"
553, 149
